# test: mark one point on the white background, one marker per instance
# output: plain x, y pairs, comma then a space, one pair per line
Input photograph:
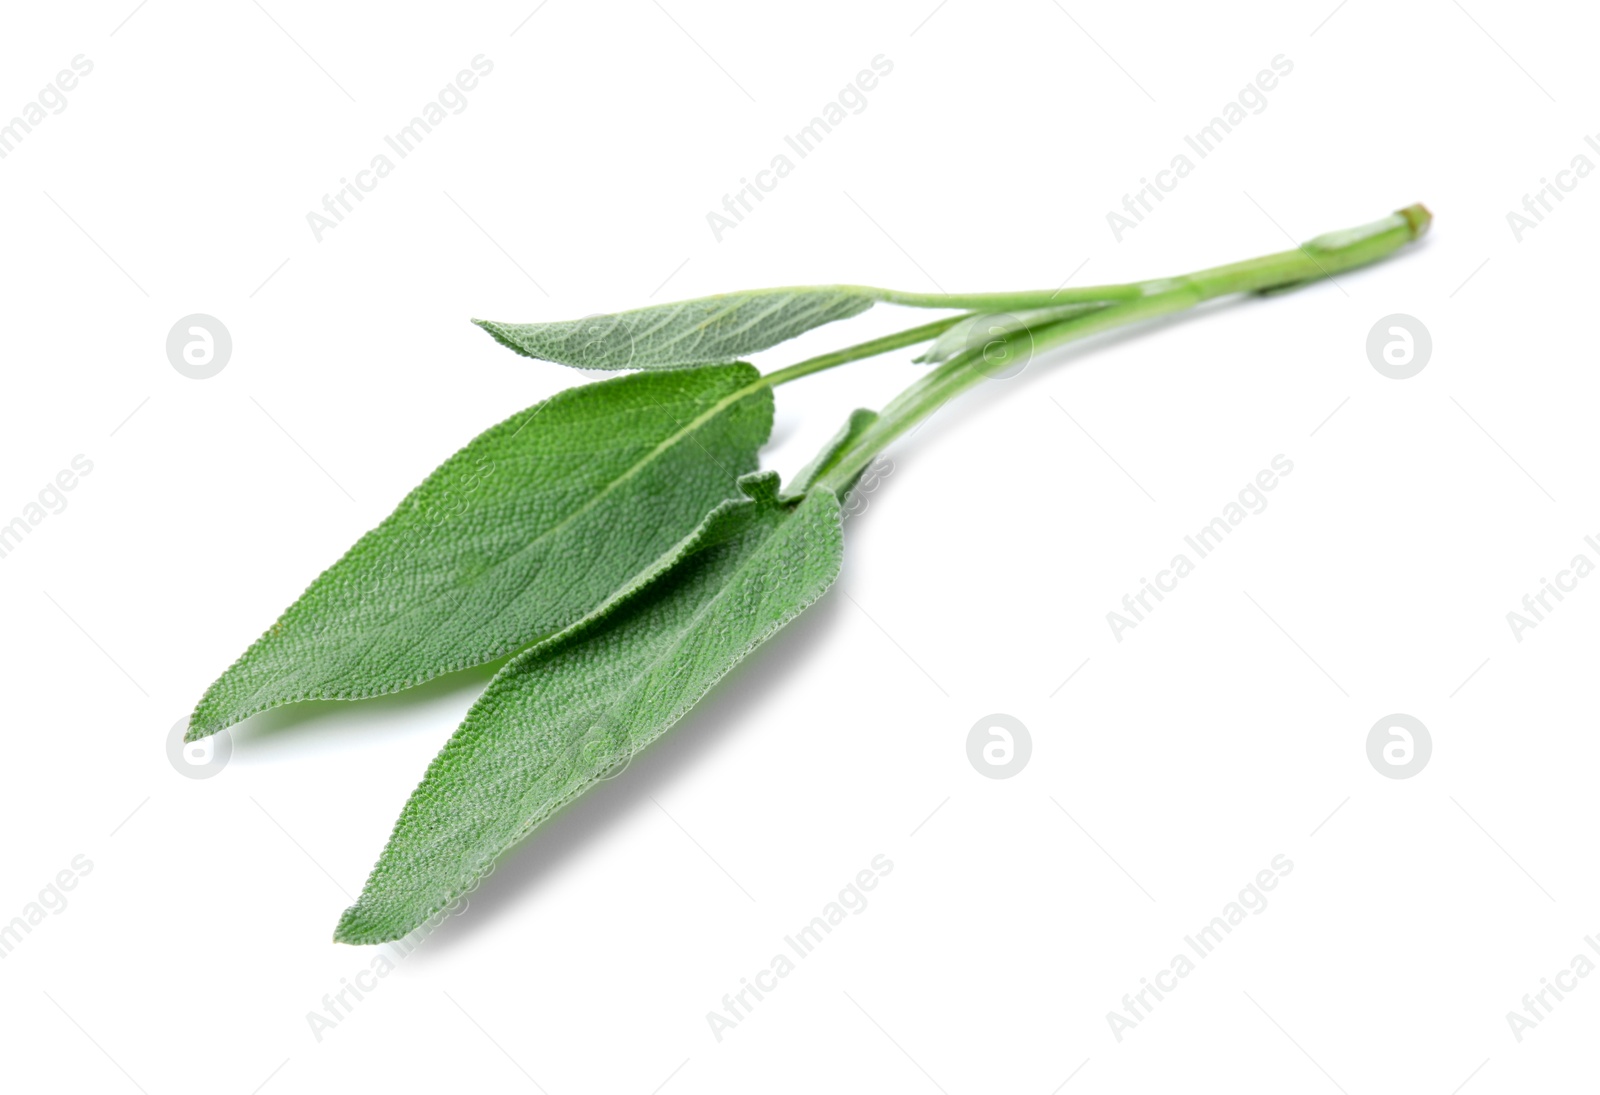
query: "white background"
1228, 728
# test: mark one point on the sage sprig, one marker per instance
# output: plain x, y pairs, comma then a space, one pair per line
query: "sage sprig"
617, 541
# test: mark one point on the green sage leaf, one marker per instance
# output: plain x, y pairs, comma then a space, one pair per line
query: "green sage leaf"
523, 532
560, 716
707, 330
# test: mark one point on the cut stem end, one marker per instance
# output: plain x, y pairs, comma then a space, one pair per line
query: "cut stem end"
1418, 217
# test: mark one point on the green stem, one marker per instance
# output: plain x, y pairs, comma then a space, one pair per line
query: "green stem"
1002, 302
1322, 257
896, 341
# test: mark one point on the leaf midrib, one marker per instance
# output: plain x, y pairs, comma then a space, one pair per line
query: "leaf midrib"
736, 301
373, 633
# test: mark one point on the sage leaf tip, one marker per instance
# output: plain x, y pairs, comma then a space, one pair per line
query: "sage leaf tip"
357, 929
498, 332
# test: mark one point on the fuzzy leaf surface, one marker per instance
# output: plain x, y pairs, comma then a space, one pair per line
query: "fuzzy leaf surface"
561, 715
522, 533
706, 330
